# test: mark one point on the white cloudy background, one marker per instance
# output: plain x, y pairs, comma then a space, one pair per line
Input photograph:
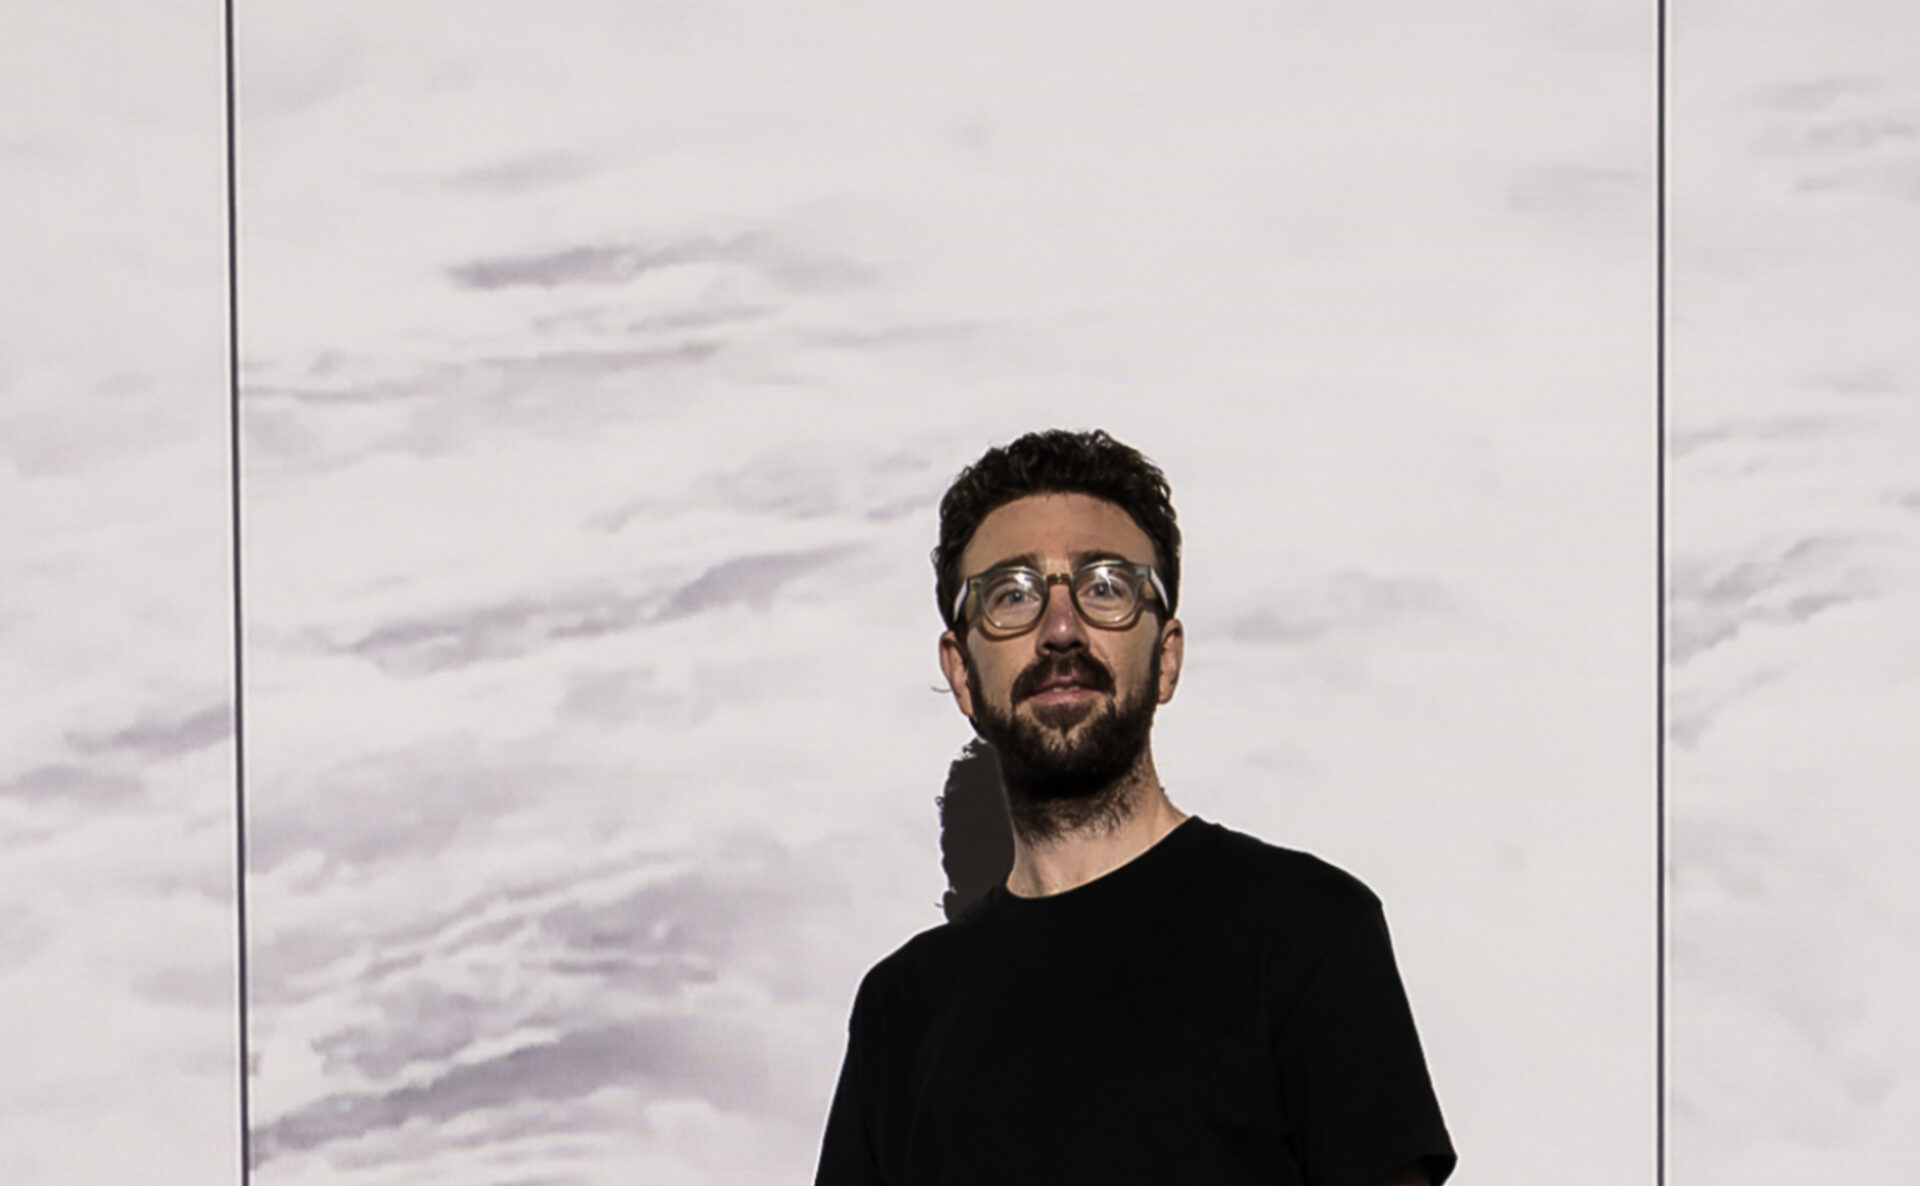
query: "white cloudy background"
118, 945
1793, 520
603, 366
591, 365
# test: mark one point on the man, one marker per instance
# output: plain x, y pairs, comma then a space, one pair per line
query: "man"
1150, 997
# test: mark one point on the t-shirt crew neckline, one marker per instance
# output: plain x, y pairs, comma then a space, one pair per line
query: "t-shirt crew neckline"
1137, 872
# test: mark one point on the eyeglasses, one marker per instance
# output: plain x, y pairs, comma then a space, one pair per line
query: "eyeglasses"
1106, 593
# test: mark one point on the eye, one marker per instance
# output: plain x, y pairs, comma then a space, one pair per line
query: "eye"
1106, 587
1005, 593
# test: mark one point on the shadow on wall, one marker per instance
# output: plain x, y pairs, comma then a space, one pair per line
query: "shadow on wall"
976, 837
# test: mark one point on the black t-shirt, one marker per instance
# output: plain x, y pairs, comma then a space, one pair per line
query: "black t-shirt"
1216, 1011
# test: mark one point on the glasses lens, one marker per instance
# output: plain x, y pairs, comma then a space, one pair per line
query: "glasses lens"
1106, 592
1012, 599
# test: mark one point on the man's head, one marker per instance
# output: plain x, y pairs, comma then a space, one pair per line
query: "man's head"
1056, 462
1079, 528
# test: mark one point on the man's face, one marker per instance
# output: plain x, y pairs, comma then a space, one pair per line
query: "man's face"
1070, 704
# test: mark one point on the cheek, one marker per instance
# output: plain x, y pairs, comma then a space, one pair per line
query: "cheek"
1138, 666
996, 678
991, 675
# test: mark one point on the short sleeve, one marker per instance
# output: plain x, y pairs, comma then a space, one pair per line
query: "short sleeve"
846, 1151
1351, 1073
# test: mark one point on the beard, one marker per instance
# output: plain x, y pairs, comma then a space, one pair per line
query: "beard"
1066, 766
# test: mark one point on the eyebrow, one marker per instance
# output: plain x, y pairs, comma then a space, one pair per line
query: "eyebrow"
1077, 560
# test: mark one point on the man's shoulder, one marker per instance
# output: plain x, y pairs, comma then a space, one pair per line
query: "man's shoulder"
1283, 878
929, 956
1296, 905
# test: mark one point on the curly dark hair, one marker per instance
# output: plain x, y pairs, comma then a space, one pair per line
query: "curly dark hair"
1056, 462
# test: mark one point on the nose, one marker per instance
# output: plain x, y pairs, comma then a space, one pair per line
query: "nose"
1060, 626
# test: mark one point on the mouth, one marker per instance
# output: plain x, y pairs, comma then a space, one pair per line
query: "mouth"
1069, 682
1063, 692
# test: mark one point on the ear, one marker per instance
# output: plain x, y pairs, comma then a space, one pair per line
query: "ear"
953, 663
1173, 651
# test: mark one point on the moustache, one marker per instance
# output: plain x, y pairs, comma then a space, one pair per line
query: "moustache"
1075, 665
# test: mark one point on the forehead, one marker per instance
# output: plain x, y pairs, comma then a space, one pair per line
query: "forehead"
1057, 528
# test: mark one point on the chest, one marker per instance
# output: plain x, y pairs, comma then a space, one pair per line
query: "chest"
1081, 1055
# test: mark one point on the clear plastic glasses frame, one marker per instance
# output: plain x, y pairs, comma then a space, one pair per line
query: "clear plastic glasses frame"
1105, 593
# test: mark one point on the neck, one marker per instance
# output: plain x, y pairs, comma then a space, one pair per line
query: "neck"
1059, 844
